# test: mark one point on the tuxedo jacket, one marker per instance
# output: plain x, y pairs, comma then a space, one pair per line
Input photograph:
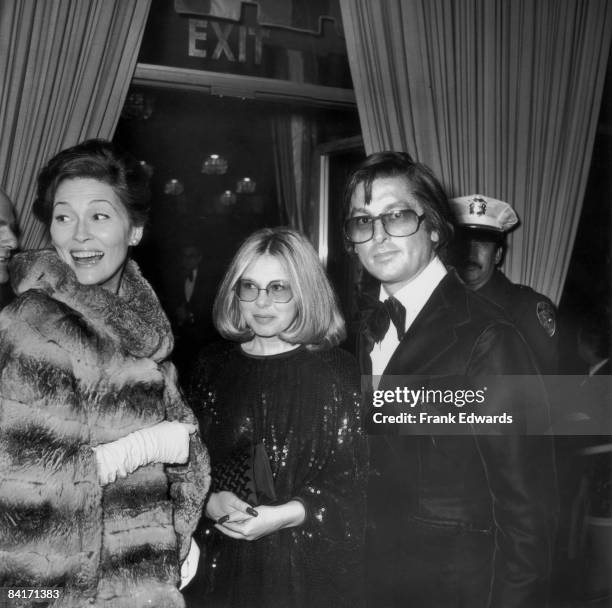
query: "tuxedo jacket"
503, 485
200, 327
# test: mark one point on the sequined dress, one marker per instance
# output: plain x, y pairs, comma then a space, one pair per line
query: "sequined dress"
305, 407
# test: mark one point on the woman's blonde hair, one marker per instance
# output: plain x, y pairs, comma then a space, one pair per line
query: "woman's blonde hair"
318, 323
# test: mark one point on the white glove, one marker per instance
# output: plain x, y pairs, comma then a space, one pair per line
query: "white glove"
190, 565
164, 442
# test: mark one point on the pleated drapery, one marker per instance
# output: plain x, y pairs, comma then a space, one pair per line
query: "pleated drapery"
65, 68
294, 137
498, 97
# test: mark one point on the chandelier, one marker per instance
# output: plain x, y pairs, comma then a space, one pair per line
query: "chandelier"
173, 187
227, 199
246, 186
146, 167
214, 165
138, 106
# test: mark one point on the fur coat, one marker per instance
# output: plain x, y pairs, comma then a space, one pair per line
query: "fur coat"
81, 366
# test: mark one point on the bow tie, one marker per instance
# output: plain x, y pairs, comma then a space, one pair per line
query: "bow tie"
384, 313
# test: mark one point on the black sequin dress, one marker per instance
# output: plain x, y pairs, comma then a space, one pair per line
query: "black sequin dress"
305, 407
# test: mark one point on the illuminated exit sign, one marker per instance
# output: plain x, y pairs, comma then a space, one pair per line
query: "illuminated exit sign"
214, 40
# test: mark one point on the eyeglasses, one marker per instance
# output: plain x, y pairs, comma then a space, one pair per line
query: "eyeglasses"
401, 222
280, 292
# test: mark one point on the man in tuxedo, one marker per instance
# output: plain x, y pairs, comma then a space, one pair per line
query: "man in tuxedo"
8, 242
480, 244
190, 306
453, 520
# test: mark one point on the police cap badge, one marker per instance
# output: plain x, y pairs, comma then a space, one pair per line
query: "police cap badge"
483, 213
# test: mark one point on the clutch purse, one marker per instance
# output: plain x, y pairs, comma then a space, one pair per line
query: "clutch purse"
247, 474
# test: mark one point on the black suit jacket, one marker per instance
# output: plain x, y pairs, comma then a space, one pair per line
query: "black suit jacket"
193, 332
503, 485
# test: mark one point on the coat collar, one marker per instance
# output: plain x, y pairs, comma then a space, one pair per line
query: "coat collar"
432, 333
497, 288
133, 318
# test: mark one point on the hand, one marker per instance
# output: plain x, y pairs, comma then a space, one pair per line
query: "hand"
268, 520
165, 442
228, 506
110, 462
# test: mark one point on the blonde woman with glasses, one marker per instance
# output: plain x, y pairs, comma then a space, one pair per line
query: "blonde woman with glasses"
280, 401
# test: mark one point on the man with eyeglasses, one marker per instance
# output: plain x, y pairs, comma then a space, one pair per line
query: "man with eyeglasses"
8, 243
453, 520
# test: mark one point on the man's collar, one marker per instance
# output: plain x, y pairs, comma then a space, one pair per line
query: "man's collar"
420, 288
593, 369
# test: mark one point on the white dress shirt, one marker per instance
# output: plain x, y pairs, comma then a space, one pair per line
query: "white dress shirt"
190, 284
413, 297
593, 369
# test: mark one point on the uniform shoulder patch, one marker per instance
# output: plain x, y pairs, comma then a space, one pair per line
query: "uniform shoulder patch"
547, 317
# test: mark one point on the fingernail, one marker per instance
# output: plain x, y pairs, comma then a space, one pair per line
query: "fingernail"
252, 511
223, 519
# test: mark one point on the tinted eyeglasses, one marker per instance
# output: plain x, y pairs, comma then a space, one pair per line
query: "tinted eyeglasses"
400, 222
279, 291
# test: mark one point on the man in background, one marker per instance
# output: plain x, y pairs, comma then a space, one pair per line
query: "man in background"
8, 242
482, 225
190, 301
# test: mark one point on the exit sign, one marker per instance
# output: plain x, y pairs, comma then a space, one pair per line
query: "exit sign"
215, 40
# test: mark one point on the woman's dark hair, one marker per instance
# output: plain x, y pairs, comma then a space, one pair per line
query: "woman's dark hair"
101, 160
423, 184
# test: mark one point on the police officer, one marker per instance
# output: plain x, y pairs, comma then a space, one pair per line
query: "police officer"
482, 225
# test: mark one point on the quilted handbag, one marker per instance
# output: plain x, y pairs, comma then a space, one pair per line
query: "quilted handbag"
247, 474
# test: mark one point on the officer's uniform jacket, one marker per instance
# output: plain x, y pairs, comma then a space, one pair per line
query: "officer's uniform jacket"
532, 313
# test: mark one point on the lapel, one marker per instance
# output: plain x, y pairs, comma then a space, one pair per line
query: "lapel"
365, 363
196, 295
434, 332
368, 300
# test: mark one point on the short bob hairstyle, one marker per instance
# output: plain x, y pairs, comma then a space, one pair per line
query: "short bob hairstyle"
100, 160
318, 323
424, 186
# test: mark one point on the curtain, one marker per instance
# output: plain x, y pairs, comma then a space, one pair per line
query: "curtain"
65, 68
294, 138
498, 97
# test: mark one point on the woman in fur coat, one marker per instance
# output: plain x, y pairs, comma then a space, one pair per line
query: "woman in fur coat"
102, 472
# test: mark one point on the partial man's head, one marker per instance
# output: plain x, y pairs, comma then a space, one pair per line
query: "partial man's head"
482, 224
397, 217
191, 257
8, 236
